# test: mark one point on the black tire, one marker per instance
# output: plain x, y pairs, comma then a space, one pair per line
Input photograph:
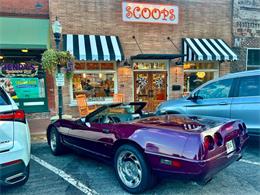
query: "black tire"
146, 180
27, 173
55, 142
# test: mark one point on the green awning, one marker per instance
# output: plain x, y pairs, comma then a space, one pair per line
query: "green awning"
18, 33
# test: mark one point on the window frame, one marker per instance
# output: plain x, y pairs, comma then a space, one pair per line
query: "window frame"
73, 101
257, 66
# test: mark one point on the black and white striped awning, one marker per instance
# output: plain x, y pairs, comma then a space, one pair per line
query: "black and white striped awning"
206, 49
93, 47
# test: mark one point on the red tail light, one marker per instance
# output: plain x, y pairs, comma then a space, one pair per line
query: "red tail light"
208, 142
218, 139
17, 115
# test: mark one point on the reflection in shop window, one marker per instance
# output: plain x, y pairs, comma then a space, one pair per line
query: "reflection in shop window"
96, 86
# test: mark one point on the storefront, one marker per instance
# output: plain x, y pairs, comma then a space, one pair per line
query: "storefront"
20, 56
202, 59
149, 33
95, 75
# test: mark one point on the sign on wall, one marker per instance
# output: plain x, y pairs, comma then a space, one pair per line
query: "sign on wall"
21, 88
18, 70
246, 18
150, 13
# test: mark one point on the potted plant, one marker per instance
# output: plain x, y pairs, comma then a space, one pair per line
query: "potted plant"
51, 58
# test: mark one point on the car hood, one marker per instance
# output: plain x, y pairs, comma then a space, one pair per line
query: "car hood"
171, 103
182, 122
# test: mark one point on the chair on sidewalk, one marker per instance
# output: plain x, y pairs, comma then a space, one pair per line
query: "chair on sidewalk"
83, 107
118, 97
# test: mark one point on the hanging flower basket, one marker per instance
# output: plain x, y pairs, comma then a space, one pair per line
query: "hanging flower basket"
51, 58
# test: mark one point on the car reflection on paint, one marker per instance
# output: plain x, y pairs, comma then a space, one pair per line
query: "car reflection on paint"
141, 147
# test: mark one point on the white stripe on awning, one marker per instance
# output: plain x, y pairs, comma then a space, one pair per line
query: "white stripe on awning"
195, 49
185, 51
70, 44
209, 57
212, 49
105, 48
116, 48
82, 50
226, 57
228, 49
93, 46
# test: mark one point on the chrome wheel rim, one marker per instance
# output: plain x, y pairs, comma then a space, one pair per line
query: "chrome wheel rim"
53, 140
129, 169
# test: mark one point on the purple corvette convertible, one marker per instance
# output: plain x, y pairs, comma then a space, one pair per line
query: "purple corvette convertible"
141, 146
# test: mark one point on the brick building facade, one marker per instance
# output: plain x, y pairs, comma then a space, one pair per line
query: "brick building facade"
246, 34
197, 19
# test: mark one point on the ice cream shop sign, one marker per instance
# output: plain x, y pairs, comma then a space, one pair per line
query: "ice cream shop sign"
150, 13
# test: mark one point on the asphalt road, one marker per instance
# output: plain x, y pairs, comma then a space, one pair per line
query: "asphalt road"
92, 176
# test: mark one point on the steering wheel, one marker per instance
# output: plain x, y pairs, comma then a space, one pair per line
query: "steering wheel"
107, 119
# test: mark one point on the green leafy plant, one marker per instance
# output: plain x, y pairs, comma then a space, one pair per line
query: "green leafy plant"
51, 58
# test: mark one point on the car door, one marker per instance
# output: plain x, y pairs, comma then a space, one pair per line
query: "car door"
93, 136
6, 122
246, 103
213, 99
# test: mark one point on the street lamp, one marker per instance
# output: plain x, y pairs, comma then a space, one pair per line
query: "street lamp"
56, 29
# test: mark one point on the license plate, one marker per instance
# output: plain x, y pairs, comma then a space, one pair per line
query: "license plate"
230, 146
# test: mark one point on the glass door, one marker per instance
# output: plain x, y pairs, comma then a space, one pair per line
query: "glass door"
150, 87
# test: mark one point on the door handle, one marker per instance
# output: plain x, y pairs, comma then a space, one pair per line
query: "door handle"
105, 130
223, 103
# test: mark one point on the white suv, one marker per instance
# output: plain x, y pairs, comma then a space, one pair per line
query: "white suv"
15, 144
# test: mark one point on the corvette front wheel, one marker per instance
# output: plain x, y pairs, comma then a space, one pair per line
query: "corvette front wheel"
132, 171
55, 142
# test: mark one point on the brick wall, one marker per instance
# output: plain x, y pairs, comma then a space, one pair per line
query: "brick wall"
224, 68
25, 8
197, 19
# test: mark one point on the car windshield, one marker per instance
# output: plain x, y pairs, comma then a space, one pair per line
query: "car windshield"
119, 110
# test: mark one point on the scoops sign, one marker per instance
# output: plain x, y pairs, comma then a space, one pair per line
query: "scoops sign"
150, 13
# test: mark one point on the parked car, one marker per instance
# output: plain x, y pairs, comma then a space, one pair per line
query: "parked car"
15, 144
234, 95
140, 148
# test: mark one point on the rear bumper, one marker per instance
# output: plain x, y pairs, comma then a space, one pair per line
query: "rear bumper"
193, 169
14, 173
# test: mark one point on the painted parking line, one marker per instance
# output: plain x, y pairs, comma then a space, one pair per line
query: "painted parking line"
250, 162
65, 176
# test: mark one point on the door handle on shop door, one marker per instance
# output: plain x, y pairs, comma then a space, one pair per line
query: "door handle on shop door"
223, 103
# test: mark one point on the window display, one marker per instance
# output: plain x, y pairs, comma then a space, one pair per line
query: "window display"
96, 86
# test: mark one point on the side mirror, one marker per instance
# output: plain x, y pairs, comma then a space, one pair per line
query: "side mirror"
193, 97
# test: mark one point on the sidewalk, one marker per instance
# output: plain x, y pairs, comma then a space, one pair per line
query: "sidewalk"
38, 129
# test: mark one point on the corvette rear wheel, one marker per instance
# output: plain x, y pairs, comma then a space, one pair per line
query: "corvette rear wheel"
55, 143
132, 171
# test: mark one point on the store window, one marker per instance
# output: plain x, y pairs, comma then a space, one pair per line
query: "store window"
20, 79
196, 74
95, 80
253, 59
